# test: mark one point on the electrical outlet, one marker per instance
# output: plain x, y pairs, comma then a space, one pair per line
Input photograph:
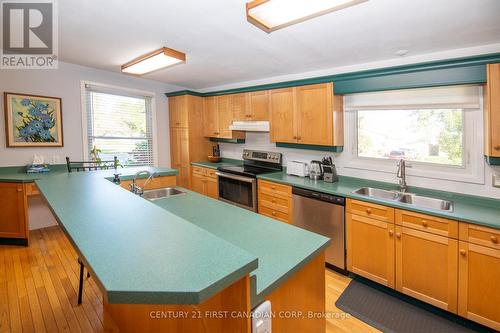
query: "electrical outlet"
496, 180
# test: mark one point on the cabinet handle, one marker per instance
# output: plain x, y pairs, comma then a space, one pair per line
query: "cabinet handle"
273, 187
19, 190
391, 233
494, 239
299, 137
274, 201
177, 123
496, 147
295, 137
273, 213
368, 211
398, 234
462, 252
424, 223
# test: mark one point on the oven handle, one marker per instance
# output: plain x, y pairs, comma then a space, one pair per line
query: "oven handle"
243, 179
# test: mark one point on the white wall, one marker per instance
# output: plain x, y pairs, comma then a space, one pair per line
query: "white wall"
260, 141
65, 83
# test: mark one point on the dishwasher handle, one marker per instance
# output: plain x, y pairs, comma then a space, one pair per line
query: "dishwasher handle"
319, 196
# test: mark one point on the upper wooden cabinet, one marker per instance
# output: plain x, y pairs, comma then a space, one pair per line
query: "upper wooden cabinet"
309, 114
178, 111
14, 214
187, 143
492, 111
217, 117
252, 106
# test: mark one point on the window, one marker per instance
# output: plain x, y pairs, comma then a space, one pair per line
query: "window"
438, 130
119, 123
424, 135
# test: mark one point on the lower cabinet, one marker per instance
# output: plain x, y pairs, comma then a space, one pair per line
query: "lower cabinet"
275, 200
204, 181
426, 267
370, 248
14, 211
452, 265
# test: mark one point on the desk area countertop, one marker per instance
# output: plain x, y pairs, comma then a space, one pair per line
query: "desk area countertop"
179, 250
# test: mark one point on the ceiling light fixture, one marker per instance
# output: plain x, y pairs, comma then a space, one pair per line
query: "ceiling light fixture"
270, 15
153, 61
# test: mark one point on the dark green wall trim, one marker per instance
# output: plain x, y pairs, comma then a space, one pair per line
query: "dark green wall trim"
227, 140
184, 92
492, 160
335, 149
466, 70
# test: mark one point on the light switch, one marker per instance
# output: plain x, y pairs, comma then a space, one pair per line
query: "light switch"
496, 180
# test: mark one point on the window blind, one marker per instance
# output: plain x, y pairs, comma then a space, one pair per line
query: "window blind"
119, 124
453, 97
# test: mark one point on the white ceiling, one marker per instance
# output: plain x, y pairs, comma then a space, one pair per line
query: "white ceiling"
222, 47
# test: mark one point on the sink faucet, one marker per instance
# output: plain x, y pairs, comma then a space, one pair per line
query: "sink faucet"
401, 174
136, 189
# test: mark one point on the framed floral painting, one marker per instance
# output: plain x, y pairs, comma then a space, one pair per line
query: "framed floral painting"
33, 121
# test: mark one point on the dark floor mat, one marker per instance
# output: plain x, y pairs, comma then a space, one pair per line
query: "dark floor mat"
391, 314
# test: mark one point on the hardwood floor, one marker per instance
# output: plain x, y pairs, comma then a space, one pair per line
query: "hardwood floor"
39, 285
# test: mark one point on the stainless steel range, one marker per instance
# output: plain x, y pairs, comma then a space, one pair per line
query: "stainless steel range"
238, 184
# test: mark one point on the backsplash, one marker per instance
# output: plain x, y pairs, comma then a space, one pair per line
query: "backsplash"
260, 141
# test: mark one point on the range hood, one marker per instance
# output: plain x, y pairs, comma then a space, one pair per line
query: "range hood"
250, 126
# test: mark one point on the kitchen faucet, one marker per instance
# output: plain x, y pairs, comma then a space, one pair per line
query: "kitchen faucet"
401, 174
136, 189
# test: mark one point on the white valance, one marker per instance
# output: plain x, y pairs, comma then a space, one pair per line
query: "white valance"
449, 97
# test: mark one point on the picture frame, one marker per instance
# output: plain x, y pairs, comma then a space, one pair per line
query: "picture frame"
33, 120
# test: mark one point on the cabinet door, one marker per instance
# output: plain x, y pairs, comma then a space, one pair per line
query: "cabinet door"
259, 105
179, 154
315, 114
427, 267
282, 115
177, 111
240, 107
13, 213
210, 117
225, 116
212, 187
370, 248
478, 290
492, 111
198, 183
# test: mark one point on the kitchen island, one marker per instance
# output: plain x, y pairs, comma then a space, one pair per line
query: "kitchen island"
188, 255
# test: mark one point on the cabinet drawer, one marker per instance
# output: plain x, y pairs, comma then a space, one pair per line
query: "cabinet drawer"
371, 210
480, 235
31, 189
275, 214
432, 224
211, 173
277, 203
275, 189
198, 170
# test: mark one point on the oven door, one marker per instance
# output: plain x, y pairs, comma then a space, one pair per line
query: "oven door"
238, 190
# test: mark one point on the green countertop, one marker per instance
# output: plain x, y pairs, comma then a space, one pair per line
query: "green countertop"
224, 162
467, 208
281, 249
181, 250
17, 174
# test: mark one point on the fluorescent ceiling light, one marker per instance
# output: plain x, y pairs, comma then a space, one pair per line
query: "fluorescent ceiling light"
153, 61
270, 15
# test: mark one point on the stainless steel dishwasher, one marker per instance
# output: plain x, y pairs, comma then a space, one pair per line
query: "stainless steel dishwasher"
323, 214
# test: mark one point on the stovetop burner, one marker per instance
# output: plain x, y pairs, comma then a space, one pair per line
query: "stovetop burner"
255, 163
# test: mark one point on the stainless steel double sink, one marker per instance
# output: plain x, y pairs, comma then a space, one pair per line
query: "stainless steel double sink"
406, 198
161, 193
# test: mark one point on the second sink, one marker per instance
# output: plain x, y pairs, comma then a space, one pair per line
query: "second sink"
161, 193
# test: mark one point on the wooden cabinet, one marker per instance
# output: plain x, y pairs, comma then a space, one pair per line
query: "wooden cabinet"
14, 211
155, 183
426, 267
187, 142
252, 106
492, 111
178, 111
370, 248
218, 116
308, 114
275, 200
479, 273
204, 181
